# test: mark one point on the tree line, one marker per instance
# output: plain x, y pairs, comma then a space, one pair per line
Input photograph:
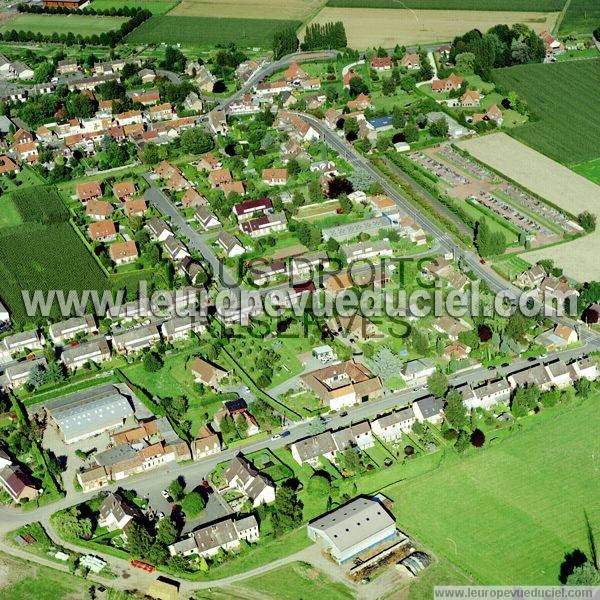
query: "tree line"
325, 36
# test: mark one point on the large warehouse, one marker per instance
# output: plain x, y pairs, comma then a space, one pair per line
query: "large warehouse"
88, 413
352, 528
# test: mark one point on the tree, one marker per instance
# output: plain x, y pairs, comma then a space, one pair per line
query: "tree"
455, 410
586, 574
150, 154
70, 524
167, 531
241, 426
439, 127
465, 63
152, 362
583, 387
351, 460
285, 42
175, 489
437, 384
419, 341
358, 86
287, 510
139, 540
411, 132
193, 504
388, 87
587, 220
196, 141
524, 400
462, 441
319, 485
158, 553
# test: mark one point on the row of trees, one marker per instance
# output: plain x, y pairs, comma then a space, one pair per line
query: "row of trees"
488, 242
325, 36
285, 42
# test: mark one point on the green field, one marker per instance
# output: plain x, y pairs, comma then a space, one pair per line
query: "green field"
9, 215
590, 169
509, 514
559, 96
582, 16
511, 265
204, 31
506, 5
77, 24
297, 580
156, 7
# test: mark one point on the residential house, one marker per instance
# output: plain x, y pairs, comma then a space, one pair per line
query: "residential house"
18, 373
381, 63
124, 190
179, 328
264, 273
135, 208
76, 356
192, 199
65, 67
134, 340
275, 176
429, 409
342, 385
449, 84
240, 475
217, 122
103, 231
147, 75
230, 245
7, 165
470, 99
559, 290
559, 337
355, 326
193, 102
367, 250
451, 326
116, 513
531, 278
206, 218
410, 61
206, 444
218, 177
417, 371
122, 253
69, 329
160, 112
159, 230
252, 208
361, 102
265, 225
98, 209
18, 484
175, 249
207, 373
391, 427
19, 342
457, 351
90, 190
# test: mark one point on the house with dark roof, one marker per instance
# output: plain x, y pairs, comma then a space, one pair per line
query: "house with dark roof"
241, 475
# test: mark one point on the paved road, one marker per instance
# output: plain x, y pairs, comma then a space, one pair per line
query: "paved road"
196, 240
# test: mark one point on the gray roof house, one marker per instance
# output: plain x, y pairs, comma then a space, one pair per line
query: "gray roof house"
428, 409
66, 330
136, 339
96, 351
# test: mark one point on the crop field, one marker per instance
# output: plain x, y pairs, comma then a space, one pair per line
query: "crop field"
485, 512
553, 182
156, 7
582, 16
248, 9
590, 170
78, 24
203, 31
505, 5
559, 97
368, 27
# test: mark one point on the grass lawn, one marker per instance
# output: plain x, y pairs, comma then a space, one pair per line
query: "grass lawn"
582, 16
477, 213
156, 7
9, 215
78, 24
590, 169
26, 580
286, 583
578, 54
486, 511
509, 266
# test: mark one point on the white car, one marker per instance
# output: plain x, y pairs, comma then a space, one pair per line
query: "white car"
276, 436
165, 494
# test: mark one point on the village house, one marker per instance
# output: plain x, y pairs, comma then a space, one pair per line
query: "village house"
252, 208
224, 535
411, 62
161, 112
192, 270
451, 83
206, 444
558, 290
69, 329
7, 165
381, 63
135, 208
217, 122
18, 373
206, 218
122, 253
179, 328
343, 385
116, 513
457, 351
98, 209
103, 231
124, 190
264, 273
175, 249
367, 250
193, 102
493, 113
90, 190
240, 475
218, 177
192, 199
391, 427
361, 102
19, 342
265, 225
470, 99
558, 338
206, 373
451, 326
65, 67
417, 371
309, 263
355, 326
134, 340
275, 176
429, 409
76, 356
230, 245
158, 229
144, 98
16, 482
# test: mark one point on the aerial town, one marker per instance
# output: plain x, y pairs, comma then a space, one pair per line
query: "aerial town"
298, 297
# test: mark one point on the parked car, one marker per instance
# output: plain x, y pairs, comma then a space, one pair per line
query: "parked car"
275, 437
285, 433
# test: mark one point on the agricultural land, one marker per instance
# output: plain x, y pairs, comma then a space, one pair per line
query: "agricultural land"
581, 16
78, 24
205, 31
254, 9
156, 7
559, 97
477, 5
368, 27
